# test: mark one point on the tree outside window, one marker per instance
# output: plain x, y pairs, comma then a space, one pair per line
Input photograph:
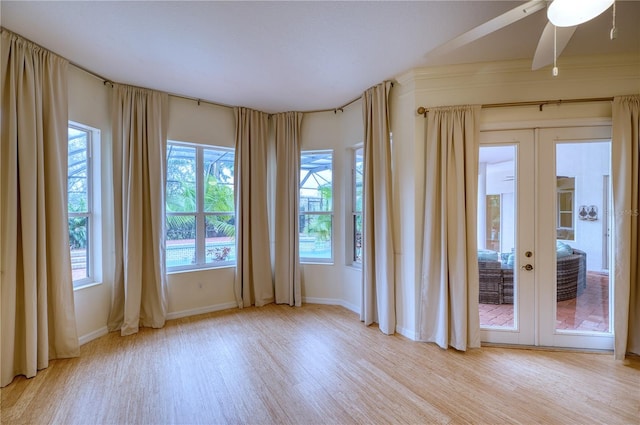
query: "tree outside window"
79, 202
200, 206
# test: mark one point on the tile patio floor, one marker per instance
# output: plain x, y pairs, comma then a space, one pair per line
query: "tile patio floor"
588, 312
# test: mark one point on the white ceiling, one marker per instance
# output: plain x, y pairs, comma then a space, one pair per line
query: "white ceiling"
280, 56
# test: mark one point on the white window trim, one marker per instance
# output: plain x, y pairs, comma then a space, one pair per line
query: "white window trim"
314, 260
571, 211
200, 215
351, 210
94, 204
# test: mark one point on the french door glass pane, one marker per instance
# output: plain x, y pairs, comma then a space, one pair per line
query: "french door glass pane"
496, 235
582, 277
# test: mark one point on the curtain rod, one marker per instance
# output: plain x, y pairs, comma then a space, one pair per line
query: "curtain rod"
539, 103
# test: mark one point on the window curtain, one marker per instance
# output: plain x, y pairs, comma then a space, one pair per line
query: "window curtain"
448, 309
139, 172
38, 316
378, 262
253, 279
626, 206
287, 255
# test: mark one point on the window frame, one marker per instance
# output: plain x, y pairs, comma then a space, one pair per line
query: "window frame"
560, 213
92, 213
353, 215
199, 214
316, 260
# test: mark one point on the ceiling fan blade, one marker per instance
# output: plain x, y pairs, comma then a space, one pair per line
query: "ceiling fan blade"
499, 22
544, 51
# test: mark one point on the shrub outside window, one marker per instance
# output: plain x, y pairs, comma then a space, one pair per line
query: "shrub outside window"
316, 206
199, 207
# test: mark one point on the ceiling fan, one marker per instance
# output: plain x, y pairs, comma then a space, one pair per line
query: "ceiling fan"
564, 17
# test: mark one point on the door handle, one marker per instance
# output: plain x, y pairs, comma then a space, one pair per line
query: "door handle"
527, 267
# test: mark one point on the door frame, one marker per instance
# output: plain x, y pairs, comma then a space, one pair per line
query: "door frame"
541, 331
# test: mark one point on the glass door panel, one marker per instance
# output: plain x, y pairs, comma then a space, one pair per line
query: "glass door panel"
575, 282
496, 244
505, 182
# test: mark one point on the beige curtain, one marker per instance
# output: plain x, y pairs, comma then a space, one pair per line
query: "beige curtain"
448, 309
253, 280
287, 255
36, 292
626, 206
378, 262
139, 171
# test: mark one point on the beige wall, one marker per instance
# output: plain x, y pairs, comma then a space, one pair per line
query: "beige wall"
89, 104
207, 290
485, 83
211, 289
337, 283
340, 283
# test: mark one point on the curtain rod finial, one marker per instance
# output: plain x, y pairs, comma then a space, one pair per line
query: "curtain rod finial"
421, 110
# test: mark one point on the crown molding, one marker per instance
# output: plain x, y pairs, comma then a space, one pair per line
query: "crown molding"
518, 67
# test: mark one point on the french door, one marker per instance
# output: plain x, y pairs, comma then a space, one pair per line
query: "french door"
543, 237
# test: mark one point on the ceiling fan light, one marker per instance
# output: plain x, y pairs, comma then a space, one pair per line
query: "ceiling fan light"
569, 13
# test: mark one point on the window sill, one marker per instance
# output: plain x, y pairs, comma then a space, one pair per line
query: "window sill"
86, 285
200, 269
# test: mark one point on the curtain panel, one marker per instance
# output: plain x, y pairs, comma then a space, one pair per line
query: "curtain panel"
378, 261
626, 207
287, 253
139, 173
36, 292
253, 279
448, 309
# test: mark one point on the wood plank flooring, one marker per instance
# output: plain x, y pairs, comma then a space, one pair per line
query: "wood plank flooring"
316, 365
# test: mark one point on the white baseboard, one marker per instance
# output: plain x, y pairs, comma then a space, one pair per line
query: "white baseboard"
331, 301
93, 335
201, 310
412, 335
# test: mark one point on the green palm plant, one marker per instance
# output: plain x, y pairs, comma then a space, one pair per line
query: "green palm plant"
218, 197
321, 224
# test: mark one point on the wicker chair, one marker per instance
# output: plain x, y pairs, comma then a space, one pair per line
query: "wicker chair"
496, 283
490, 282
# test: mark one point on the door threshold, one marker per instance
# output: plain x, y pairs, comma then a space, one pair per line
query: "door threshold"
546, 348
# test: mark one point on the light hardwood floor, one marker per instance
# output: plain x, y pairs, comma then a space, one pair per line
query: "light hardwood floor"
316, 365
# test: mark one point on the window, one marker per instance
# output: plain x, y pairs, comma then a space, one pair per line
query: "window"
565, 193
200, 207
316, 206
357, 185
83, 169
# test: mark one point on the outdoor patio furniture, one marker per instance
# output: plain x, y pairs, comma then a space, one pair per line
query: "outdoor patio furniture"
496, 278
